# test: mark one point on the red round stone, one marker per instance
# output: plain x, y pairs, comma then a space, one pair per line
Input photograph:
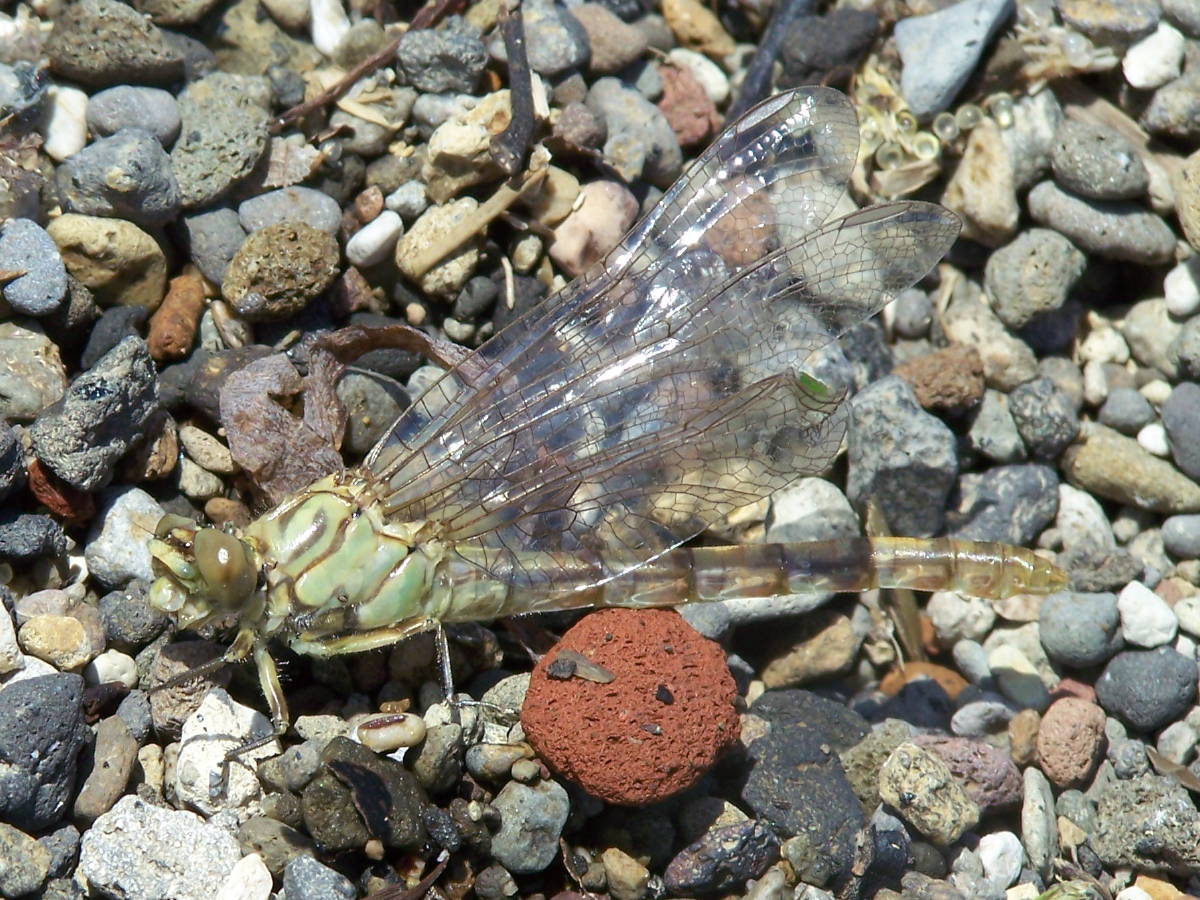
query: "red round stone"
651, 730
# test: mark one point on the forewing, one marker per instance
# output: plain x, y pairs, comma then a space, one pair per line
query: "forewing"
660, 391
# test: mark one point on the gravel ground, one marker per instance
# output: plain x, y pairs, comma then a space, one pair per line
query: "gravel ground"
191, 192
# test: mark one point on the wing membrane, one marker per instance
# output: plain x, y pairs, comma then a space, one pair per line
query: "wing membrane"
662, 389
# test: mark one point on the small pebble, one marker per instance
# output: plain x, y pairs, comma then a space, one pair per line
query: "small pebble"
1174, 110
26, 246
1118, 230
1017, 678
1181, 536
1146, 619
375, 241
920, 786
291, 204
1155, 59
65, 129
940, 50
131, 106
390, 732
1126, 410
1147, 689
1001, 854
1070, 741
112, 666
1153, 438
1097, 162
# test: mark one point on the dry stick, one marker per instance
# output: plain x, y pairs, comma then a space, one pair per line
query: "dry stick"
474, 222
757, 82
426, 17
508, 148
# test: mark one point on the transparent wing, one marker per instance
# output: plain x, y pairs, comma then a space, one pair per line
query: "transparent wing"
662, 389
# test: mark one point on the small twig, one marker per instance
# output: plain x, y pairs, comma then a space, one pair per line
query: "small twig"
470, 225
426, 17
757, 83
509, 148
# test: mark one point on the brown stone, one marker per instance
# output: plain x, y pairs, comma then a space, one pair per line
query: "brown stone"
692, 116
174, 324
1070, 741
1022, 736
63, 500
650, 730
949, 379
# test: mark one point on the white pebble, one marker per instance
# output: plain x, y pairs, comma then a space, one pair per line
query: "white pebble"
64, 127
1156, 391
112, 665
1081, 519
1182, 288
1104, 344
1155, 59
1133, 893
409, 200
373, 243
249, 879
1146, 619
1095, 383
329, 24
387, 732
1153, 438
705, 71
1001, 854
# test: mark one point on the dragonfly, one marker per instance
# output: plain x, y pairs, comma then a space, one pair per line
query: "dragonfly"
567, 461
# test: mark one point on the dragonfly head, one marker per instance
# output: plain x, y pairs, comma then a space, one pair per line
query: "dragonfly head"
202, 572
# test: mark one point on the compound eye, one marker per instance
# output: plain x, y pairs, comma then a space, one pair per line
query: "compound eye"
225, 566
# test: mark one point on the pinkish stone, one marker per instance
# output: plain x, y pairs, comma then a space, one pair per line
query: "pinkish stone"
991, 779
1070, 741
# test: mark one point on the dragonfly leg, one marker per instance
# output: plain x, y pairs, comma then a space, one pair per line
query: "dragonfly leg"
335, 645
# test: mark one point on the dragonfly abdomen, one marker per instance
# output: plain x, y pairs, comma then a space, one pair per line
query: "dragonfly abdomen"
540, 582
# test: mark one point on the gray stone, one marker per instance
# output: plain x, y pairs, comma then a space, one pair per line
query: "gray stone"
1148, 823
1094, 161
531, 821
131, 106
41, 735
811, 509
1174, 111
83, 436
1011, 504
993, 432
1126, 410
26, 247
24, 863
1114, 229
117, 550
555, 41
1111, 23
901, 457
307, 879
1181, 536
1031, 276
940, 50
125, 176
1045, 417
212, 239
1185, 14
1151, 331
291, 204
1147, 689
225, 121
33, 377
641, 143
142, 852
438, 61
1080, 630
103, 42
1181, 418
